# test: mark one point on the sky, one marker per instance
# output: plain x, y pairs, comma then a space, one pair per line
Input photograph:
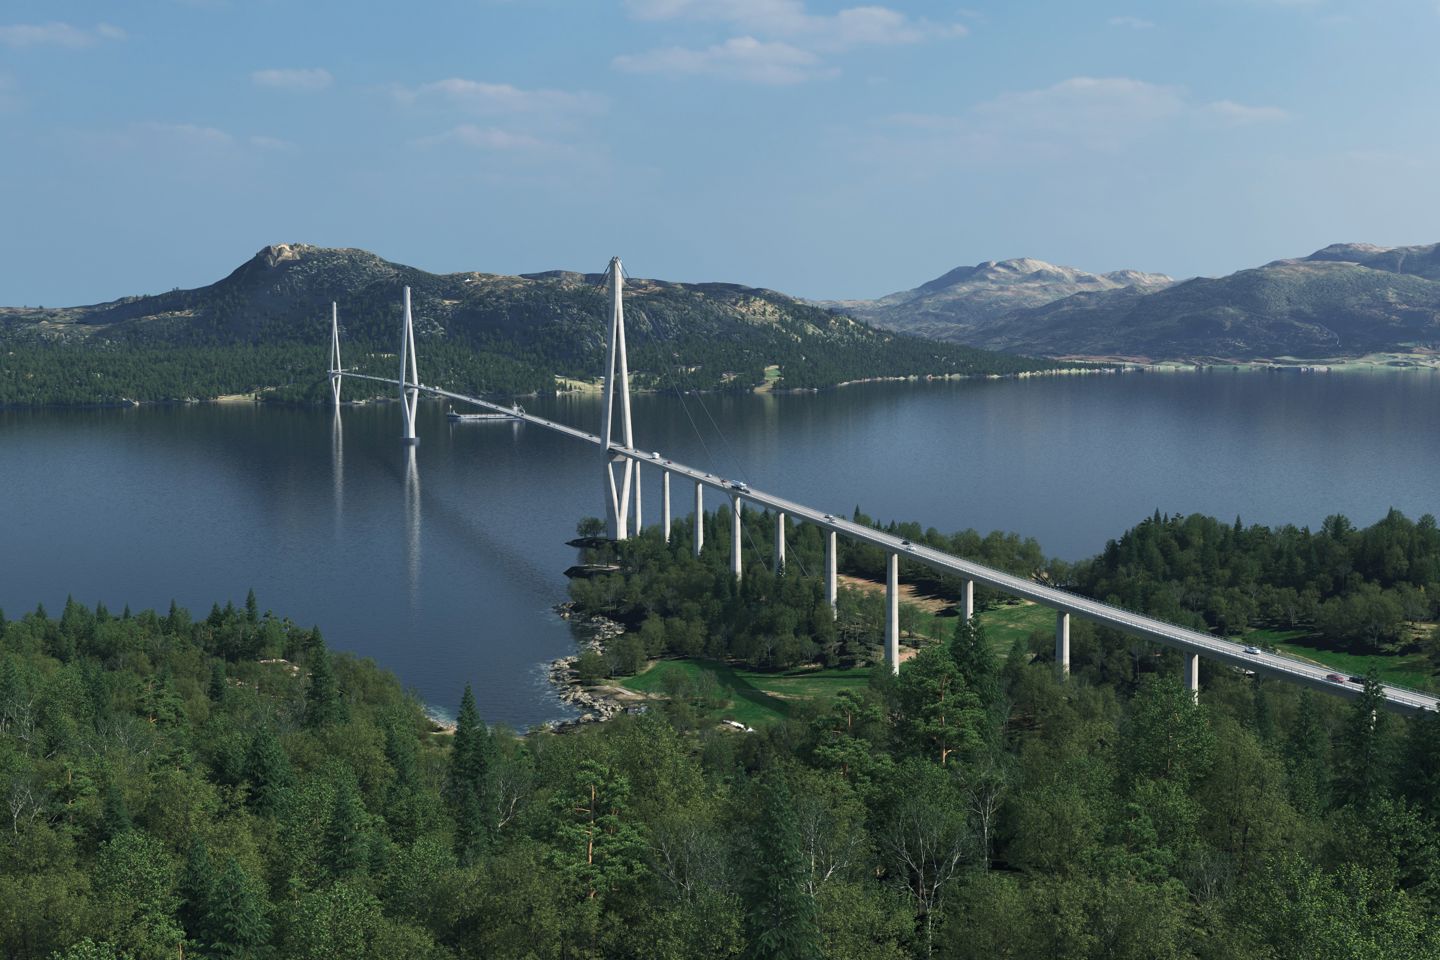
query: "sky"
824, 149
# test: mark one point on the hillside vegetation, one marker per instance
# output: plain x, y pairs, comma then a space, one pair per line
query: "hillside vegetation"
266, 327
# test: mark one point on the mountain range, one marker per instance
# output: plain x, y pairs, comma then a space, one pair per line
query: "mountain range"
479, 331
1345, 300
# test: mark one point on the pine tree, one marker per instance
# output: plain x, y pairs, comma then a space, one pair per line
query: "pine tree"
267, 769
114, 815
322, 698
1305, 752
347, 841
467, 783
216, 690
780, 914
252, 608
971, 653
1363, 765
238, 918
197, 893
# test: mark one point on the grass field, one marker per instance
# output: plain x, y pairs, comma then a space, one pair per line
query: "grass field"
1406, 670
757, 699
752, 698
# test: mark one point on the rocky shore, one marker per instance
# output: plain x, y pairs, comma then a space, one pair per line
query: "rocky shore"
595, 703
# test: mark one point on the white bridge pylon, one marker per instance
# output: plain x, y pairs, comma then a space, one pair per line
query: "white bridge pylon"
617, 383
409, 377
335, 369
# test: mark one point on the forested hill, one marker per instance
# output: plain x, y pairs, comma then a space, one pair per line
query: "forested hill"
476, 331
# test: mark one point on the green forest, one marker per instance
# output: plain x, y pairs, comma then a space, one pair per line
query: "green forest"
231, 787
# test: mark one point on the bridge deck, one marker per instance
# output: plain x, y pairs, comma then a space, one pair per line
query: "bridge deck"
1398, 699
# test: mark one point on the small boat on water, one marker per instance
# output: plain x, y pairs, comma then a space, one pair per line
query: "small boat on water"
483, 417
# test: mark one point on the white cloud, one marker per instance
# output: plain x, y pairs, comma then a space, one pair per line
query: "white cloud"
1134, 23
57, 34
493, 99
1238, 113
486, 138
1098, 115
184, 134
304, 79
740, 58
782, 40
1099, 111
868, 25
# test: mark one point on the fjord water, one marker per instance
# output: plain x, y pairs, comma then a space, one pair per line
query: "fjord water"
446, 569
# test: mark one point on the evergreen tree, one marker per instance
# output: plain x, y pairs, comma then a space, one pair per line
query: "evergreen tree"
114, 815
197, 893
216, 690
322, 697
267, 769
1363, 764
939, 713
467, 782
252, 608
972, 655
1305, 758
238, 918
780, 913
347, 839
597, 845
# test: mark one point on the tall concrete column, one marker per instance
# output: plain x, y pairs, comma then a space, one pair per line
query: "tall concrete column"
892, 612
967, 600
1192, 675
830, 578
665, 503
779, 542
639, 523
699, 517
735, 507
1062, 643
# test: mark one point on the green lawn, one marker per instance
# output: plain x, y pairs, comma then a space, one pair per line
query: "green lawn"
1406, 670
1014, 621
751, 697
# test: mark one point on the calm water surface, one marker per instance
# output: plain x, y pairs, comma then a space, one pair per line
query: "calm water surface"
446, 569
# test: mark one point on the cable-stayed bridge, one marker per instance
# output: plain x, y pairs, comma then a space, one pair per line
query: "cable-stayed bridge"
623, 461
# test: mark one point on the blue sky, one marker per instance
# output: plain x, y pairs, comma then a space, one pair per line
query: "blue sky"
827, 149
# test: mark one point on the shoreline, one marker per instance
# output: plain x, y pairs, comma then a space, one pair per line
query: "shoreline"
596, 702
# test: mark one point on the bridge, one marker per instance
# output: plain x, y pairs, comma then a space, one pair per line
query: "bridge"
623, 462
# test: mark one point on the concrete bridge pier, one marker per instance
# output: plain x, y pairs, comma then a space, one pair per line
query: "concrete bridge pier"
892, 612
830, 578
735, 532
699, 517
1192, 675
639, 523
779, 542
1062, 643
967, 600
665, 503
